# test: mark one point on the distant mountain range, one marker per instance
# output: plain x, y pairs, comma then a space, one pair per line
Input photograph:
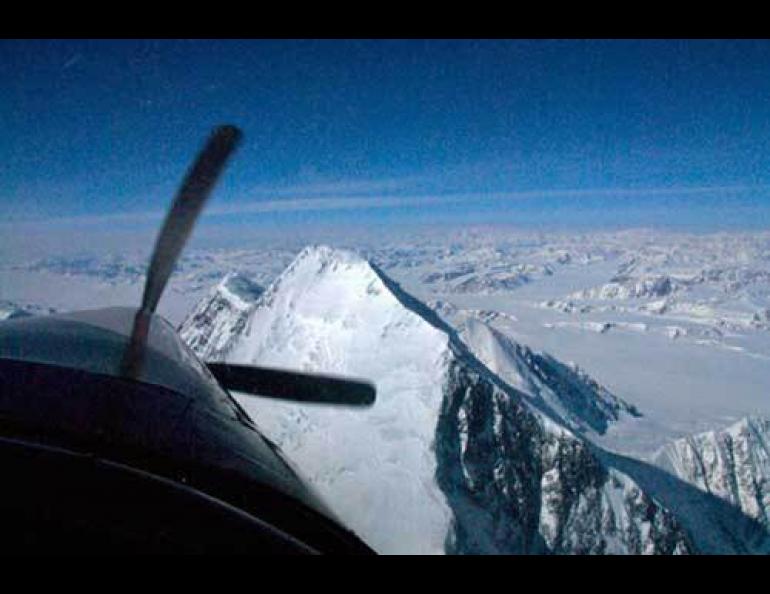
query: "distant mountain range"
10, 310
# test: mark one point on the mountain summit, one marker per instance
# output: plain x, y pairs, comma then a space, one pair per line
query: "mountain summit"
450, 458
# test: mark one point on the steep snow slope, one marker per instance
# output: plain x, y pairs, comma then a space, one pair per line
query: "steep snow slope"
220, 315
450, 458
568, 392
732, 464
331, 311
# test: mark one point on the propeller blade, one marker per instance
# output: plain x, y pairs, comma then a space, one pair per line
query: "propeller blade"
180, 220
292, 385
187, 205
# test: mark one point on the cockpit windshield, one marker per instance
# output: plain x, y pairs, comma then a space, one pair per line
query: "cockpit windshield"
96, 341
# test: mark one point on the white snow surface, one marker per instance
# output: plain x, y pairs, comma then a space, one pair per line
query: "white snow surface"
312, 318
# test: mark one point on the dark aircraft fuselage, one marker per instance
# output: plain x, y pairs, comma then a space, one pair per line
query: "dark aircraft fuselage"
169, 462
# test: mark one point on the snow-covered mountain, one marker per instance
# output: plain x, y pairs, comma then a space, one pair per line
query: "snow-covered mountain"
628, 287
499, 277
221, 315
10, 310
566, 391
732, 464
450, 458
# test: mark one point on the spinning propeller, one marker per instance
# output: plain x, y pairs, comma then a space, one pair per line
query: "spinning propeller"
180, 220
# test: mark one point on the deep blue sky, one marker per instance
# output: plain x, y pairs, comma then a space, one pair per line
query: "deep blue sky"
611, 132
